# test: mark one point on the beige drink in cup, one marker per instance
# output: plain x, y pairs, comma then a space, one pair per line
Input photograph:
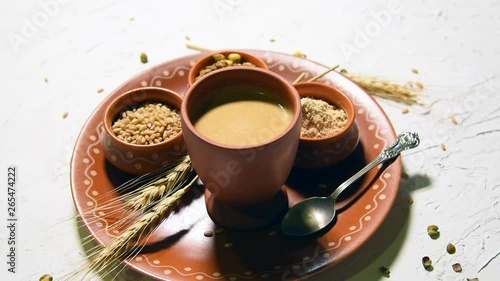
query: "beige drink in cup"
241, 127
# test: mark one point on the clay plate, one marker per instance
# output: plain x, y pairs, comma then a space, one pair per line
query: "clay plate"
178, 250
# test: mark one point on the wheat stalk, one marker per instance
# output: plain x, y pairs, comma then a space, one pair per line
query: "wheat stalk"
385, 89
300, 77
323, 73
318, 76
136, 189
197, 48
127, 240
160, 187
129, 190
144, 192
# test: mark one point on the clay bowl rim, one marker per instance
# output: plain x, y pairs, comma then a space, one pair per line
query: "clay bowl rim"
192, 75
213, 75
116, 101
331, 99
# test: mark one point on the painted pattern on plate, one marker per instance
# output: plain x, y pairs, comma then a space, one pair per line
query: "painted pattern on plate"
184, 253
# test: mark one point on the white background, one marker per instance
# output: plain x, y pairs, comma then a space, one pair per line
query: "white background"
81, 46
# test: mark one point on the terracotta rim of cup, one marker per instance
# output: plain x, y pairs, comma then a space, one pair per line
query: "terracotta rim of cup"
115, 108
201, 63
295, 105
335, 97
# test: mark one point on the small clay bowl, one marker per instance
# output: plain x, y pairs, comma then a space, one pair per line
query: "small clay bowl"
208, 60
326, 151
134, 158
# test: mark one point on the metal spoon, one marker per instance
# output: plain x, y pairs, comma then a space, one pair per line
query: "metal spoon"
314, 214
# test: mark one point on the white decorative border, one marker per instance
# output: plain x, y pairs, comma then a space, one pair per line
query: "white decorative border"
98, 219
167, 75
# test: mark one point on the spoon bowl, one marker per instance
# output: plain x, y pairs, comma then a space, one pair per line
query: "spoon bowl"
314, 214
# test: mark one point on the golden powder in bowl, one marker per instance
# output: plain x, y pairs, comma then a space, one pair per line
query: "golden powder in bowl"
321, 119
148, 123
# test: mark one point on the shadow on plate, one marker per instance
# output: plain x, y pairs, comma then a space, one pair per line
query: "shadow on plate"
385, 243
356, 193
322, 182
251, 254
116, 176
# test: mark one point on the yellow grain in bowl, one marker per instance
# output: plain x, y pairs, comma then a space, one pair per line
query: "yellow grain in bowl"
147, 123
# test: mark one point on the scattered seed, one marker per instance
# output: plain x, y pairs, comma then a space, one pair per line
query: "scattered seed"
450, 248
65, 114
299, 54
427, 262
208, 233
410, 200
433, 231
46, 80
219, 230
187, 38
414, 70
472, 279
443, 147
272, 40
405, 110
454, 120
457, 267
432, 227
144, 58
420, 85
46, 277
384, 270
273, 233
100, 90
228, 245
131, 18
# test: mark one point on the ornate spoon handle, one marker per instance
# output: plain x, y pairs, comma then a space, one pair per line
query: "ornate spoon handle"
406, 140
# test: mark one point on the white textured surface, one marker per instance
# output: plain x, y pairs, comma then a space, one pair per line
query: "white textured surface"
86, 45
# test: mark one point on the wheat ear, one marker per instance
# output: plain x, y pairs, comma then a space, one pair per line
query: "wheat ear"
385, 89
161, 187
127, 240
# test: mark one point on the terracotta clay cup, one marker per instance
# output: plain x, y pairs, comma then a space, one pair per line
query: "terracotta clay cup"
243, 184
326, 151
209, 60
140, 159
